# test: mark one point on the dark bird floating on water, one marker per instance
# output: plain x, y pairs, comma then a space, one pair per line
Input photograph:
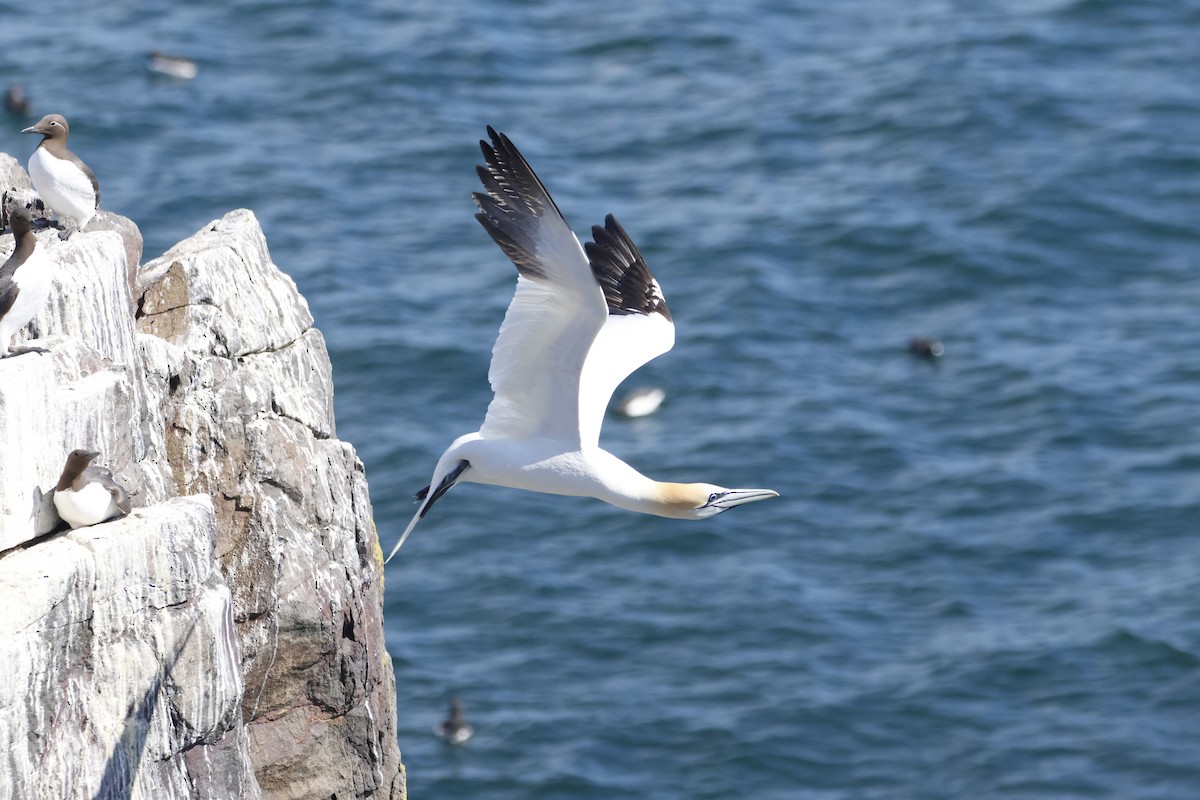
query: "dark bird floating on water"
15, 101
454, 728
925, 348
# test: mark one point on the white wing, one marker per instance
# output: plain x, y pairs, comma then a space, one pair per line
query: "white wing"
555, 314
638, 327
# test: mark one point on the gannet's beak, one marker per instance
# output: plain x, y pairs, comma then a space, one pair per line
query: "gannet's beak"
737, 497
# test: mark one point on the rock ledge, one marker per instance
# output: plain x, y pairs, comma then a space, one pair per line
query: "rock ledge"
224, 640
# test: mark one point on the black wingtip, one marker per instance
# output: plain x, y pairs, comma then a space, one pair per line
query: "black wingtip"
619, 268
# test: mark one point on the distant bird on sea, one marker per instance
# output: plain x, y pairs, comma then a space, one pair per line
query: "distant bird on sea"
454, 728
88, 495
582, 319
65, 183
925, 348
15, 101
24, 283
641, 402
178, 67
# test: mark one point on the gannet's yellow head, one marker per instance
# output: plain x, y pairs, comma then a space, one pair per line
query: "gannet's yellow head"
703, 500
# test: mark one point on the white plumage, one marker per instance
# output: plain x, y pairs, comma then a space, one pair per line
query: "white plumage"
581, 320
90, 505
63, 186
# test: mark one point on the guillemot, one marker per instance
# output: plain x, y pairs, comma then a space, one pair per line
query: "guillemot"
15, 101
24, 283
64, 182
454, 729
925, 348
88, 495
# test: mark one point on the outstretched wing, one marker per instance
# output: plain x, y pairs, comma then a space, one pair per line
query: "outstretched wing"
556, 312
638, 327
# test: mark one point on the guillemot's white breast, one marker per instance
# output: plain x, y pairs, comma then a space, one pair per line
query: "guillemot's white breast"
88, 495
24, 281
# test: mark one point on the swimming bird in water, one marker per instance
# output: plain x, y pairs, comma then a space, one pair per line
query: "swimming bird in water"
88, 495
64, 182
454, 727
178, 67
925, 348
641, 402
15, 101
582, 319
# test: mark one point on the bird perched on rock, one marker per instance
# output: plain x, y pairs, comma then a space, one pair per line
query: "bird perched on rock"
581, 321
24, 283
88, 495
67, 184
454, 728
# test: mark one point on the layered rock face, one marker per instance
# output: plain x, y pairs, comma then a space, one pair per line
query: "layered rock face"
225, 639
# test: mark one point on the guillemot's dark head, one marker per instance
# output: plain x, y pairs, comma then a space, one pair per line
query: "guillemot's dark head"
20, 222
77, 462
52, 126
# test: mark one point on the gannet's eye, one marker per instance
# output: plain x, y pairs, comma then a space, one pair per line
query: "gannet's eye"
712, 498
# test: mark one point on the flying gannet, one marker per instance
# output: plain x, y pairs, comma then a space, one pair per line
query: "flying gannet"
583, 318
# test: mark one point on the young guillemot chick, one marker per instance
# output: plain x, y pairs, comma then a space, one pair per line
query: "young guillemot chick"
64, 182
88, 495
24, 283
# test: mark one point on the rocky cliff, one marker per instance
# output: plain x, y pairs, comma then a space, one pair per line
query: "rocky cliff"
225, 639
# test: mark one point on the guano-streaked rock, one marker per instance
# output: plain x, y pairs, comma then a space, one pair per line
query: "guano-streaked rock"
225, 639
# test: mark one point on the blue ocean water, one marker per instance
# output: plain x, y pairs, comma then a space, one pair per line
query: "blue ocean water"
983, 576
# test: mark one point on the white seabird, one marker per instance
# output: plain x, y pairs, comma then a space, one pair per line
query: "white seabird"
172, 66
642, 402
582, 319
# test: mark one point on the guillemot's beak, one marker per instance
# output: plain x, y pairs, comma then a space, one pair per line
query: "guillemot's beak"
738, 497
31, 129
